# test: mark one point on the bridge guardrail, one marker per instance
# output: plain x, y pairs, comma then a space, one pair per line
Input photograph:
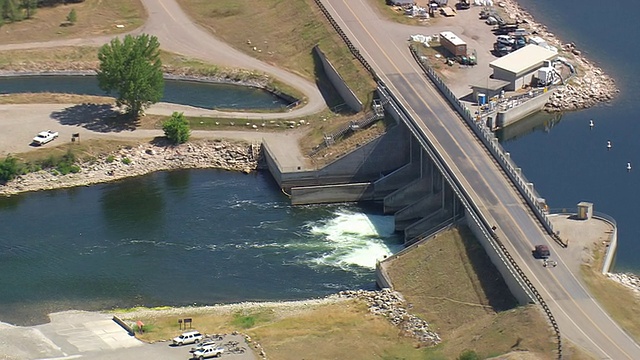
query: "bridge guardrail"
472, 208
524, 186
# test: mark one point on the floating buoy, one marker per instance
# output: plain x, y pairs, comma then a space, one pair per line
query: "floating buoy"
608, 144
628, 166
591, 124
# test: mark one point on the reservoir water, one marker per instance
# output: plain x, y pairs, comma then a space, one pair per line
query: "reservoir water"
179, 238
200, 94
566, 160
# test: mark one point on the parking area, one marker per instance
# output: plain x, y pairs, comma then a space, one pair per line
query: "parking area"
80, 334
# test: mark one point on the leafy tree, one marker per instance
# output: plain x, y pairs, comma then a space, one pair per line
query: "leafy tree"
72, 17
29, 7
9, 10
176, 128
133, 69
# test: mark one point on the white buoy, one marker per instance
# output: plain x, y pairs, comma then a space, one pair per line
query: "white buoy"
608, 144
591, 124
628, 166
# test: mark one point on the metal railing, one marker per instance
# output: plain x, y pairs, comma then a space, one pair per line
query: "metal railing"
472, 209
524, 186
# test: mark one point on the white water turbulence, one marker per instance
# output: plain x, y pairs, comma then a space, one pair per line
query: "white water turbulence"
355, 239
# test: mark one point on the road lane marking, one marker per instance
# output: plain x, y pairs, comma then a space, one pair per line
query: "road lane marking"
518, 228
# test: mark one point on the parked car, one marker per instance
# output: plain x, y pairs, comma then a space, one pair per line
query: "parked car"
541, 252
202, 345
505, 40
189, 337
44, 137
208, 352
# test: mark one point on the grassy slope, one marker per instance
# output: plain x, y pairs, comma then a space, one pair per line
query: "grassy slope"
95, 17
452, 284
620, 302
283, 33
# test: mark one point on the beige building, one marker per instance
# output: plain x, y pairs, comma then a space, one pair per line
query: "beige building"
519, 67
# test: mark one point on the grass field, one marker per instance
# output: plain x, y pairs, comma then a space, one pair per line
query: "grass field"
620, 302
452, 284
283, 33
95, 17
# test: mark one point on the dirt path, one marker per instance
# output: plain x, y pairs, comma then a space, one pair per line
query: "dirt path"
177, 33
19, 124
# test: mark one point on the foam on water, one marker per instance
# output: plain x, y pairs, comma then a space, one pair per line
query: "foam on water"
354, 239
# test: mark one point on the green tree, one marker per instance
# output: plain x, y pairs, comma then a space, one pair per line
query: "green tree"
133, 69
72, 17
29, 7
9, 10
176, 128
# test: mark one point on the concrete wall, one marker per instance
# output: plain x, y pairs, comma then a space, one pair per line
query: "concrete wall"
331, 193
364, 164
492, 250
338, 82
505, 118
406, 195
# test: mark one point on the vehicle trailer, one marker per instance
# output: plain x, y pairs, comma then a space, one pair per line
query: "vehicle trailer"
452, 43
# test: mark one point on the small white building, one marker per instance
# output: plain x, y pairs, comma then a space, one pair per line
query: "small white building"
519, 67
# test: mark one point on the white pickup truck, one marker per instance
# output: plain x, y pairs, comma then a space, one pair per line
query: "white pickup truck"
45, 137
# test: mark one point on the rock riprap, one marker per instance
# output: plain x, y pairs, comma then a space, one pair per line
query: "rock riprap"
391, 305
140, 160
631, 281
590, 87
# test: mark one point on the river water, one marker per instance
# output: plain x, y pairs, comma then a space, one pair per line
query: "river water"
207, 236
567, 161
180, 238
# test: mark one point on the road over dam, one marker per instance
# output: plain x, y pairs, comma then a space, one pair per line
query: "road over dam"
383, 45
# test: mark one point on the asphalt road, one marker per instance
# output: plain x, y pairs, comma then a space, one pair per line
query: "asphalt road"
579, 317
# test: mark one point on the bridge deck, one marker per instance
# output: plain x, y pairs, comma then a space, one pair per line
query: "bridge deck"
580, 318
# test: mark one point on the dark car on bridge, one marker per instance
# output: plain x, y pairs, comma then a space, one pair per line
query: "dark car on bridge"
541, 252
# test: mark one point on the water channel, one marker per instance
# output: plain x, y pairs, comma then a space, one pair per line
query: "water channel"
193, 93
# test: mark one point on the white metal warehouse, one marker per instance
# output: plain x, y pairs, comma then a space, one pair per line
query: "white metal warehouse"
519, 67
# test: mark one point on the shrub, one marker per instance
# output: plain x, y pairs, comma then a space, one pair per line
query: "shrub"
126, 161
9, 169
72, 17
111, 158
468, 355
176, 128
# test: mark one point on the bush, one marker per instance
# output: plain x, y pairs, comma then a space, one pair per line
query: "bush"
126, 161
72, 17
111, 158
9, 169
62, 165
176, 129
468, 355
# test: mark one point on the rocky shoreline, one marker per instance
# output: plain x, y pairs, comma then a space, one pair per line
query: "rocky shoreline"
590, 87
143, 159
629, 280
